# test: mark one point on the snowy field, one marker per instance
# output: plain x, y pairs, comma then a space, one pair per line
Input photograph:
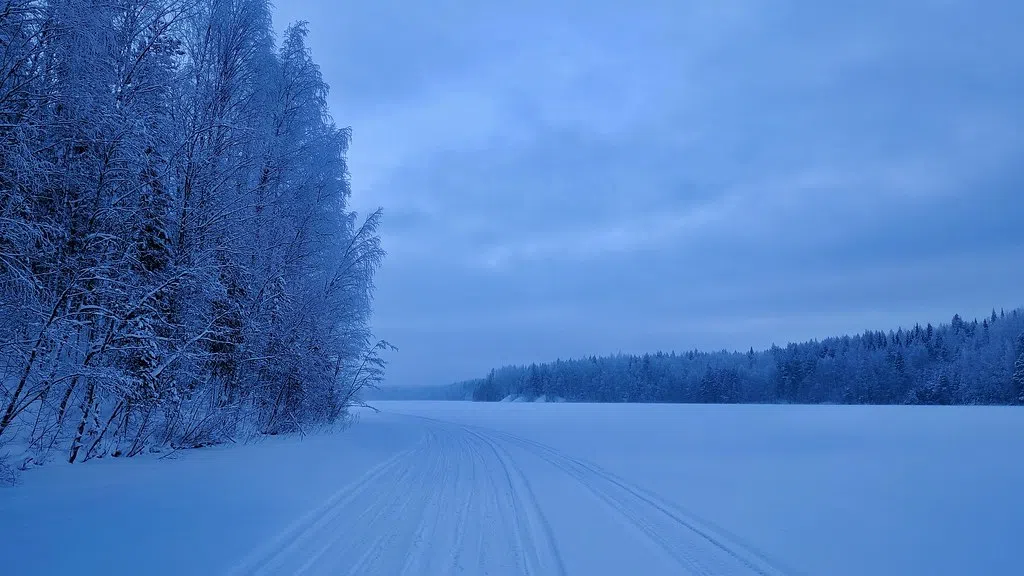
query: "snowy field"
520, 488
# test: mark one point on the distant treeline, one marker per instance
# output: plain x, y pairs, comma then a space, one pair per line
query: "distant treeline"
975, 362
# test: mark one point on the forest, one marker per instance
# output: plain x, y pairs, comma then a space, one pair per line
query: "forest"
179, 264
975, 362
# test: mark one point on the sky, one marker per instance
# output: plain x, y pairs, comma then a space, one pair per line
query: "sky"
573, 177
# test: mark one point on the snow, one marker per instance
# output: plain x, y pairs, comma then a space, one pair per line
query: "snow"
199, 513
551, 488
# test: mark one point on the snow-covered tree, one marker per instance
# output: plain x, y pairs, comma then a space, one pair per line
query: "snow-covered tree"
1017, 382
957, 363
178, 261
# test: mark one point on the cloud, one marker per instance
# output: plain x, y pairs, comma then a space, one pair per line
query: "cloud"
812, 202
626, 235
572, 178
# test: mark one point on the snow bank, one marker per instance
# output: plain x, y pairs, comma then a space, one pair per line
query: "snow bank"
541, 399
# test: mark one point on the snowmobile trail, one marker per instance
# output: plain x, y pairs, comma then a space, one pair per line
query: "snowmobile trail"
699, 548
454, 504
469, 488
463, 501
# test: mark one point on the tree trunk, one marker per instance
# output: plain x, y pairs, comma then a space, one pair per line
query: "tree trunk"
39, 415
12, 406
99, 438
76, 444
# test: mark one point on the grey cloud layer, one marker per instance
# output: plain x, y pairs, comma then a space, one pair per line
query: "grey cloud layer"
578, 177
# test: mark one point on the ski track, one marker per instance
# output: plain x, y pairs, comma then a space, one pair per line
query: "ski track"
459, 502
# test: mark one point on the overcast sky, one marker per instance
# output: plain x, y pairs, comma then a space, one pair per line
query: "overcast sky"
573, 177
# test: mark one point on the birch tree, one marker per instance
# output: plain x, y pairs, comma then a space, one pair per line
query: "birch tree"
178, 262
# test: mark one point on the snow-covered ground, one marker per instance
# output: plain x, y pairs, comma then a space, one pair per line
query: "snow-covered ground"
551, 488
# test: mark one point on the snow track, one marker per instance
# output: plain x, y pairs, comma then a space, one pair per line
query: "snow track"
499, 489
461, 501
698, 548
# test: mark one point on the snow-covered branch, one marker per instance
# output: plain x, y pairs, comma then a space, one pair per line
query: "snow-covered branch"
178, 263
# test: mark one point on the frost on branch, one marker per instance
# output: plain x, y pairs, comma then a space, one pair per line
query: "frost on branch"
178, 262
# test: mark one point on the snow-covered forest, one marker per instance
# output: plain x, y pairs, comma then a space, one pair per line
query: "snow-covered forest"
179, 265
976, 362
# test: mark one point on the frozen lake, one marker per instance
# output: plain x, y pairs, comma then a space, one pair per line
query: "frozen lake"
520, 488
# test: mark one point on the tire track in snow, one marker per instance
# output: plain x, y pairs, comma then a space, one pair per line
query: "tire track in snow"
459, 501
312, 522
696, 545
532, 531
454, 503
506, 491
648, 527
490, 514
411, 536
360, 531
370, 541
465, 512
430, 525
